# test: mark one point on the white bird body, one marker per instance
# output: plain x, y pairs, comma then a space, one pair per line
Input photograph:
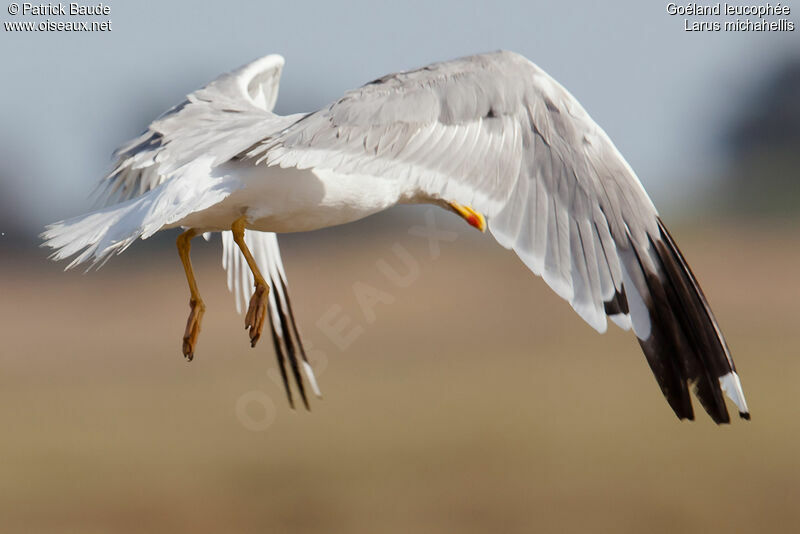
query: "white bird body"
282, 200
489, 135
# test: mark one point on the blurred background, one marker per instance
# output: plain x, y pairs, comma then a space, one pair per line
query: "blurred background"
471, 398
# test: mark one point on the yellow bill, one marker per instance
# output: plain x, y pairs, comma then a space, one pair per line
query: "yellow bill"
472, 217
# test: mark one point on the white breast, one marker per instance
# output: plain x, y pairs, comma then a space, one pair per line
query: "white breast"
293, 200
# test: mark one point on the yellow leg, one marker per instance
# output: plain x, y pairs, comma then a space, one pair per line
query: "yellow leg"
195, 302
256, 311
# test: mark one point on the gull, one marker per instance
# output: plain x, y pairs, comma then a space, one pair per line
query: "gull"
490, 137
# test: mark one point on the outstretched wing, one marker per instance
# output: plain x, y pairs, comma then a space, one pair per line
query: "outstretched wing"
497, 133
168, 172
219, 121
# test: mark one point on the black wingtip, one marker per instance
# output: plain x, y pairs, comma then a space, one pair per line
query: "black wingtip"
707, 342
291, 337
286, 341
685, 347
279, 355
745, 415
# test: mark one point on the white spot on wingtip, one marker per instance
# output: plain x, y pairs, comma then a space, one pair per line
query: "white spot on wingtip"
621, 320
311, 379
732, 387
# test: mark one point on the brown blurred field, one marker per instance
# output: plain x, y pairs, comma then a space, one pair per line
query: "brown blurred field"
476, 402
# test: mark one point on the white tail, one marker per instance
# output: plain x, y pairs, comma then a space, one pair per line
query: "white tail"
111, 230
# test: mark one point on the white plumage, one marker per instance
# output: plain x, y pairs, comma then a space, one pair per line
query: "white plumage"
492, 134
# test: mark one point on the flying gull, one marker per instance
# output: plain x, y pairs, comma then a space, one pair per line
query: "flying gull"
490, 137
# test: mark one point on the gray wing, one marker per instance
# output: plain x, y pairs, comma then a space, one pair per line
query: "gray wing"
497, 133
225, 117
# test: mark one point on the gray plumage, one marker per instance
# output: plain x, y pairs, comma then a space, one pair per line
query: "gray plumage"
496, 133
